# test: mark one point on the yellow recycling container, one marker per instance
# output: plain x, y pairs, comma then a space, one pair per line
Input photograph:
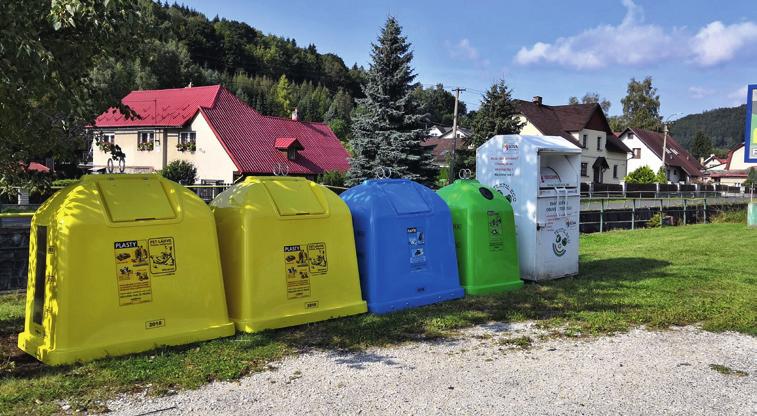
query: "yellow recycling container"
121, 264
288, 253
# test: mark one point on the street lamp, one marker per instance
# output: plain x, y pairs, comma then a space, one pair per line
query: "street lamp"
665, 143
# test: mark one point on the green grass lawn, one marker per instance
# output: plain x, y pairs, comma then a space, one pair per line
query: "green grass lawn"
700, 274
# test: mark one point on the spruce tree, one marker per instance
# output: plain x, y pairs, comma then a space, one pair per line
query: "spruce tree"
386, 125
702, 146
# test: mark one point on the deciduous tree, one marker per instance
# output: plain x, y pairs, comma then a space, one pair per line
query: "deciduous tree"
641, 105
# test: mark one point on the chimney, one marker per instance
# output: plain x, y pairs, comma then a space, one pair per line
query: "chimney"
537, 99
190, 85
295, 117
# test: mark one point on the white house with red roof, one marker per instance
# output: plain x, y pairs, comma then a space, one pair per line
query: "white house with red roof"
736, 170
220, 134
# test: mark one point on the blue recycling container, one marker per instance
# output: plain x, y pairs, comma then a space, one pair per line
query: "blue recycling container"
405, 245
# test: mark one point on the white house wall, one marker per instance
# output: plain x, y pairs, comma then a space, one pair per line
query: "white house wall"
210, 158
737, 161
649, 158
589, 155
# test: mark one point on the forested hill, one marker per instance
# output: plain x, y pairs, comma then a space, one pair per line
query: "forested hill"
272, 73
724, 126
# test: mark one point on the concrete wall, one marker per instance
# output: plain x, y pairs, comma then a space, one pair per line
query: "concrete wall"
14, 254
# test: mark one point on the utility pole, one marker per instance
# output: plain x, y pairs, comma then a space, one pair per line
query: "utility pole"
665, 144
451, 172
664, 149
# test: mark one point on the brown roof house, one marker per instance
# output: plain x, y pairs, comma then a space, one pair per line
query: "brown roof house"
646, 148
439, 140
603, 157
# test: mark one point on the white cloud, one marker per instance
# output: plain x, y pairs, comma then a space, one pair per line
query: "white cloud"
738, 96
466, 51
717, 43
635, 43
700, 92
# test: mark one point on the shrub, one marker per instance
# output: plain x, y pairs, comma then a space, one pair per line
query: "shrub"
332, 178
662, 176
62, 183
643, 174
730, 217
180, 171
655, 221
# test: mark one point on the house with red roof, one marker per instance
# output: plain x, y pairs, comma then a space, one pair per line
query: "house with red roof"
736, 170
221, 135
647, 148
603, 156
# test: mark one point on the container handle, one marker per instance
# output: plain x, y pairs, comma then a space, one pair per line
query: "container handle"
281, 169
383, 172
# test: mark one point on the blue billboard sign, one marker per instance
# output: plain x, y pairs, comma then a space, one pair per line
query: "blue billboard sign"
750, 133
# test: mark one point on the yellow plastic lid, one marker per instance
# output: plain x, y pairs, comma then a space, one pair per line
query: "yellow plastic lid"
294, 196
135, 199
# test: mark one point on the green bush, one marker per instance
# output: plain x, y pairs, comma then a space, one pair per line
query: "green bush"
655, 221
180, 171
643, 174
730, 217
332, 178
62, 183
662, 176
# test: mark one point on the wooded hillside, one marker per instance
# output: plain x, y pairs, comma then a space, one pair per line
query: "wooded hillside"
724, 126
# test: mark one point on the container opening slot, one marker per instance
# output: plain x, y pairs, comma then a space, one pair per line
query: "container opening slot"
40, 275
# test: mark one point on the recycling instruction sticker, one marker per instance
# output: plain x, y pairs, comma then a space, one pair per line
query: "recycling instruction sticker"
301, 262
162, 255
496, 237
132, 272
416, 240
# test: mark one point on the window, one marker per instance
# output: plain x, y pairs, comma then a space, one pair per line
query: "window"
584, 169
292, 153
599, 143
187, 141
637, 153
109, 138
146, 140
615, 171
586, 141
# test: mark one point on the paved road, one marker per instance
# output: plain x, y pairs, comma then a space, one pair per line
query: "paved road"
639, 372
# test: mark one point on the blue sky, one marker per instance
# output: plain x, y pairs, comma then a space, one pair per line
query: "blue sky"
701, 54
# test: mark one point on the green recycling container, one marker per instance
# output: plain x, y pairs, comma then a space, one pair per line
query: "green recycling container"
484, 226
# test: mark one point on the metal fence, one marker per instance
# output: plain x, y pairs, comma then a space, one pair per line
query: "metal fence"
604, 214
660, 190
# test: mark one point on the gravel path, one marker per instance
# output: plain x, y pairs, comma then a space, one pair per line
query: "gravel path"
641, 372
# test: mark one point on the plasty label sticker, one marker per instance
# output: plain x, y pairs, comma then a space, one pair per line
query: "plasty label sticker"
132, 272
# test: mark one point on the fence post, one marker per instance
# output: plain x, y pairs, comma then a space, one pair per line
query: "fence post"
662, 216
684, 211
602, 215
705, 210
633, 214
